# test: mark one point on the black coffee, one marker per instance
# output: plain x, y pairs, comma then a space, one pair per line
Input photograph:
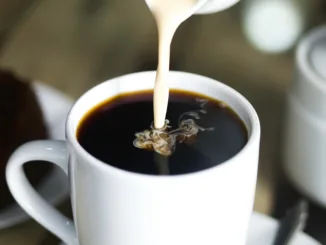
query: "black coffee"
108, 131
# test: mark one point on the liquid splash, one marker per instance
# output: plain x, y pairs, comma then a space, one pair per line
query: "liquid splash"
164, 140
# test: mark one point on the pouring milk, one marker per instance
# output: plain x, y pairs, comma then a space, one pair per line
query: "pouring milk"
169, 14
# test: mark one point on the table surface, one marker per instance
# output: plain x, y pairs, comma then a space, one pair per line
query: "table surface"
72, 46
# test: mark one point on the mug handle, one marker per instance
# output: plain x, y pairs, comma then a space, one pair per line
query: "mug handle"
53, 151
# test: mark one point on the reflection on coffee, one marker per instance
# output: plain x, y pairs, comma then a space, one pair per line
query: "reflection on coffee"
200, 133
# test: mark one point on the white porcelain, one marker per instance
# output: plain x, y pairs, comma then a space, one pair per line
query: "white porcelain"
214, 6
309, 85
304, 151
262, 231
208, 6
54, 188
113, 206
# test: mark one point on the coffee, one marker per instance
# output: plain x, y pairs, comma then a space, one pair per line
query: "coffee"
108, 133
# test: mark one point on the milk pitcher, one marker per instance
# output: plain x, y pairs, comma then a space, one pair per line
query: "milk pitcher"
208, 6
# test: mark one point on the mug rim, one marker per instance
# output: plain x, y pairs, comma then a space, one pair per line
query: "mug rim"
302, 54
249, 110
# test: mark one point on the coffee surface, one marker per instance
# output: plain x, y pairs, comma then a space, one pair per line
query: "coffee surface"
108, 131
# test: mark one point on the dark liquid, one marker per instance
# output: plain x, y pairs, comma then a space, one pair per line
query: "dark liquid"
107, 132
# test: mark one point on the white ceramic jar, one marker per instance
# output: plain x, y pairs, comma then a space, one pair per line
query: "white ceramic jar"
305, 119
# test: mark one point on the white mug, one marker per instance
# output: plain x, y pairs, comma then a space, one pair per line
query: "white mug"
116, 207
305, 119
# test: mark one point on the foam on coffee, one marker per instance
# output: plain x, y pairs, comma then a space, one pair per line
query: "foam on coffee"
164, 140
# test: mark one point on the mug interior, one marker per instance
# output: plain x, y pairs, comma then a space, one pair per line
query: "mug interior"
177, 80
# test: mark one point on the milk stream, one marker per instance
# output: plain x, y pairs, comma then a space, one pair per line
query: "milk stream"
168, 14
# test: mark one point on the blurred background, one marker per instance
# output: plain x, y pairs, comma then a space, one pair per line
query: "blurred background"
73, 45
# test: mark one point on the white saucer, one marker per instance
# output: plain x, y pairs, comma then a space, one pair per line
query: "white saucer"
262, 230
54, 189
